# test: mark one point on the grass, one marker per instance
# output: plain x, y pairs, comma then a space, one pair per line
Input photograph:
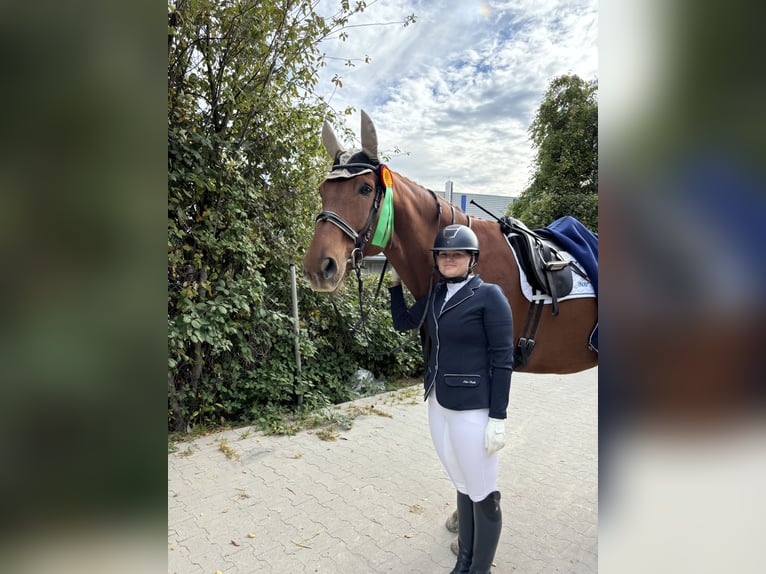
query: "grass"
328, 419
230, 453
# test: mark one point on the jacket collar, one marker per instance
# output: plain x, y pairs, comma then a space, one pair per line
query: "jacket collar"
465, 292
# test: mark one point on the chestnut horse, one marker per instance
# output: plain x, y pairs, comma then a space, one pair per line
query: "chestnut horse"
354, 194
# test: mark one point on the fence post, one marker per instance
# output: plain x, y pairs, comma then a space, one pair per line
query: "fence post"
296, 332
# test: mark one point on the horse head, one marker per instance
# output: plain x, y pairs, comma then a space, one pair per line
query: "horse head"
351, 196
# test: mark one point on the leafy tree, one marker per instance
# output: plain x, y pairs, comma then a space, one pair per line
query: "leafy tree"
244, 164
565, 134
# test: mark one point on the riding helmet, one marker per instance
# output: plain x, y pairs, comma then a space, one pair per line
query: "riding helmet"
457, 238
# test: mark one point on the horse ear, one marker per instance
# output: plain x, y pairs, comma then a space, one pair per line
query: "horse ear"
330, 141
369, 137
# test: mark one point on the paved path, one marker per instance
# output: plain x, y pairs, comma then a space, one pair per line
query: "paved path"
376, 498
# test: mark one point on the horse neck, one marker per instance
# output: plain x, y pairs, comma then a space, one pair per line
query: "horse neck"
417, 220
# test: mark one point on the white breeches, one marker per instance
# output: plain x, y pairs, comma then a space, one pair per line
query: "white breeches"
459, 440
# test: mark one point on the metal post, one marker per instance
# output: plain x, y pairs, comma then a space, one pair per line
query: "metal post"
448, 191
296, 328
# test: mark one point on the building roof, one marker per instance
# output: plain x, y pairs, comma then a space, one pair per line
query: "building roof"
495, 204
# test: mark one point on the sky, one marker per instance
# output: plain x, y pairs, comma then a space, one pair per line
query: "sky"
456, 91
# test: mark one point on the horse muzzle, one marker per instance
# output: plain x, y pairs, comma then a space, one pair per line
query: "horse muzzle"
324, 276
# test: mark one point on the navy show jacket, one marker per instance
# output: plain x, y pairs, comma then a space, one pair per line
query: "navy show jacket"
469, 343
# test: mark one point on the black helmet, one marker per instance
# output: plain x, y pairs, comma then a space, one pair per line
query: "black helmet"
457, 238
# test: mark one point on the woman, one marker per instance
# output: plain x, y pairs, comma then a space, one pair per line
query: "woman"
469, 354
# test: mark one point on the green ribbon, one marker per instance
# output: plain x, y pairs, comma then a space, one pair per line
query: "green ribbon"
385, 228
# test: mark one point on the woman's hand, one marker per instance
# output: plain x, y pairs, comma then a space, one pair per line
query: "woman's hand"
494, 435
395, 279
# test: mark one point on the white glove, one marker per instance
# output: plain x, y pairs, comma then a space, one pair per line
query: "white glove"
395, 279
494, 435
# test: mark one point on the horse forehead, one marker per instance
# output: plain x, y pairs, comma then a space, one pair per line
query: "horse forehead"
336, 185
345, 189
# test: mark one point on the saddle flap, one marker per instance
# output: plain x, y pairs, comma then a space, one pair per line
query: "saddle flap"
525, 253
546, 268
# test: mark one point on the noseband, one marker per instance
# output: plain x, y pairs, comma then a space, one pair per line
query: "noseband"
360, 238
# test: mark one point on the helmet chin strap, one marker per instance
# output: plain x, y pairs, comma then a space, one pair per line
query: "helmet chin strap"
453, 279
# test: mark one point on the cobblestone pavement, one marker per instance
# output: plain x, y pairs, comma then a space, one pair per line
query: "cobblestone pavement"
375, 499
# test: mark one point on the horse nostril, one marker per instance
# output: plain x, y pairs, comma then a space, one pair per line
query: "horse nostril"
329, 267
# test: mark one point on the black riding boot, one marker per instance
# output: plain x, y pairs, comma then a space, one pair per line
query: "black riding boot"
464, 534
488, 522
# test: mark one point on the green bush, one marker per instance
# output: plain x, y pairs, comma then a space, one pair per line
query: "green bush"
249, 370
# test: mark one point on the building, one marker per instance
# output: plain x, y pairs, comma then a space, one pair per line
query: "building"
495, 204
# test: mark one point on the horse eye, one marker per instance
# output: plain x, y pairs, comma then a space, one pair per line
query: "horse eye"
365, 189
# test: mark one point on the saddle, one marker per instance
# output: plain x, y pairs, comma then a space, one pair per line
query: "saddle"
546, 267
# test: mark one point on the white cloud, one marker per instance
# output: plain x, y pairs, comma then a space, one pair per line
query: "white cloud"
458, 89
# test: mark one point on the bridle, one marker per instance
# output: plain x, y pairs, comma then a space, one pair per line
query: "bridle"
360, 238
